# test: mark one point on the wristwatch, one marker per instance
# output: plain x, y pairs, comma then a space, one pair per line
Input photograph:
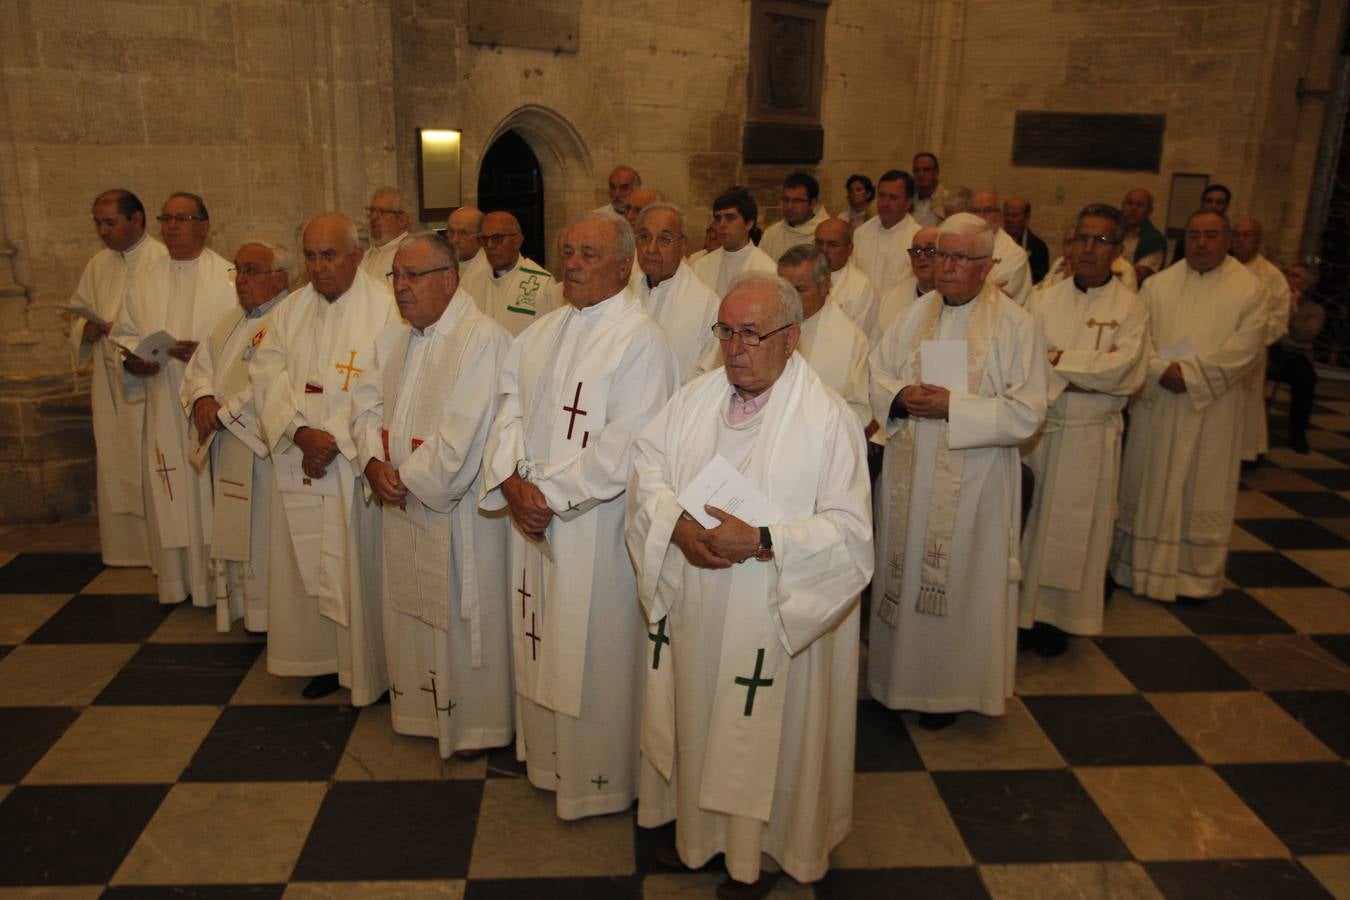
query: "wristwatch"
765, 551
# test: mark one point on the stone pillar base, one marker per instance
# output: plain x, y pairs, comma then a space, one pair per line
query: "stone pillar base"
46, 448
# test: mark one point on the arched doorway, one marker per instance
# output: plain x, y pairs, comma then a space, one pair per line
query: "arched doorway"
510, 180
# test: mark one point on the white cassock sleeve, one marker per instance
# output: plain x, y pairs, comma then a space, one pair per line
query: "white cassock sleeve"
439, 471
506, 442
858, 384
199, 376
368, 402
1119, 370
889, 370
1017, 408
80, 349
1210, 376
651, 513
126, 333
278, 407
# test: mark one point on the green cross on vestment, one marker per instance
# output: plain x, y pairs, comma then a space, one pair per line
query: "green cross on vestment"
658, 637
754, 682
599, 781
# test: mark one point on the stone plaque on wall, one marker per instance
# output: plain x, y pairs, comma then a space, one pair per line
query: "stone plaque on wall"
1065, 140
787, 67
537, 24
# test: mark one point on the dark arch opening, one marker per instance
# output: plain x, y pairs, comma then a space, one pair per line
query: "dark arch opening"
510, 180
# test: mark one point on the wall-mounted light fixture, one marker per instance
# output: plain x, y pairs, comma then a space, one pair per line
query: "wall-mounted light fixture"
438, 176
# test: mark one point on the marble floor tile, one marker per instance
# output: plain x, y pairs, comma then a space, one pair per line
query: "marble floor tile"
1338, 645
696, 885
6, 555
60, 674
1286, 458
555, 888
77, 536
1274, 478
125, 745
259, 688
899, 821
375, 753
49, 573
224, 834
1240, 879
28, 733
62, 892
1326, 714
194, 892
189, 624
1069, 881
134, 580
1332, 566
1109, 731
1256, 505
883, 743
1317, 504
1178, 812
395, 831
375, 890
1256, 568
1327, 440
1242, 726
181, 673
273, 743
1170, 664
1275, 662
516, 814
1245, 540
1339, 526
102, 619
948, 884
1232, 612
1083, 669
1308, 610
1305, 804
974, 741
1333, 870
22, 614
1292, 534
1129, 615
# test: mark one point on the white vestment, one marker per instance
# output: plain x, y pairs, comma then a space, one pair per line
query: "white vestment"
241, 476
1012, 272
892, 306
837, 352
378, 261
852, 291
425, 407
686, 309
1122, 270
780, 237
748, 729
1103, 334
930, 211
186, 299
516, 298
324, 551
119, 420
1179, 477
882, 253
717, 268
961, 657
1255, 439
474, 266
576, 388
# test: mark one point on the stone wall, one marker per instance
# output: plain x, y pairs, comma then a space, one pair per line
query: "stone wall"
276, 109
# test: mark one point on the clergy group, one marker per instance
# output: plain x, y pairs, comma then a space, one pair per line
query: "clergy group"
634, 521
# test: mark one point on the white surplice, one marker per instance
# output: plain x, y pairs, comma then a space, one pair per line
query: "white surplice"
425, 407
768, 767
119, 420
963, 660
1179, 476
882, 253
1012, 271
893, 305
718, 268
686, 309
837, 352
324, 551
517, 297
378, 261
241, 477
473, 267
1255, 438
575, 390
1103, 333
186, 299
852, 291
780, 237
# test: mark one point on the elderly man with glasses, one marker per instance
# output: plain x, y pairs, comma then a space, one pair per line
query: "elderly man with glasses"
669, 290
1012, 266
181, 296
513, 289
1096, 339
388, 217
958, 382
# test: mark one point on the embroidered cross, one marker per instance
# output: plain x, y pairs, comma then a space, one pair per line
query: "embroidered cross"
395, 692
435, 698
576, 410
235, 419
658, 637
935, 556
528, 288
754, 682
351, 369
1093, 323
524, 594
896, 564
600, 781
164, 470
534, 647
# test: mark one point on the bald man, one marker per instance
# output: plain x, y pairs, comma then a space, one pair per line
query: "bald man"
638, 200
464, 231
515, 290
1145, 246
850, 288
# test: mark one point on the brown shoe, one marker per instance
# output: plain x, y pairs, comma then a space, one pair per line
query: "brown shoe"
731, 889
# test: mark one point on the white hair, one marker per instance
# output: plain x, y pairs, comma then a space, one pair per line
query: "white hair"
969, 225
789, 301
282, 257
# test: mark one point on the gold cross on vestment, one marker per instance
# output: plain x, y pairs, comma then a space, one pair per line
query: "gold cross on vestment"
351, 370
1093, 323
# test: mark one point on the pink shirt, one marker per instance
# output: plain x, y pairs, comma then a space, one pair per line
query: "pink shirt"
744, 410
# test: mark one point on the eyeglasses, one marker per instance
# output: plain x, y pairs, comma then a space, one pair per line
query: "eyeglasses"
180, 218
924, 252
409, 275
1101, 240
460, 233
664, 239
725, 333
959, 259
380, 210
495, 239
237, 272
986, 210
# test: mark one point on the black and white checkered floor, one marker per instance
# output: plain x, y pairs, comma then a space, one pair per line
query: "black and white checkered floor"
1189, 752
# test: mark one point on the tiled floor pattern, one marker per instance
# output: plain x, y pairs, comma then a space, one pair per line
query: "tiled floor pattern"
1191, 751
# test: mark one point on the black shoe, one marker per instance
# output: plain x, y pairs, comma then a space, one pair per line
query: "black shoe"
1050, 641
936, 721
1299, 444
1192, 601
668, 856
1026, 640
320, 686
731, 889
